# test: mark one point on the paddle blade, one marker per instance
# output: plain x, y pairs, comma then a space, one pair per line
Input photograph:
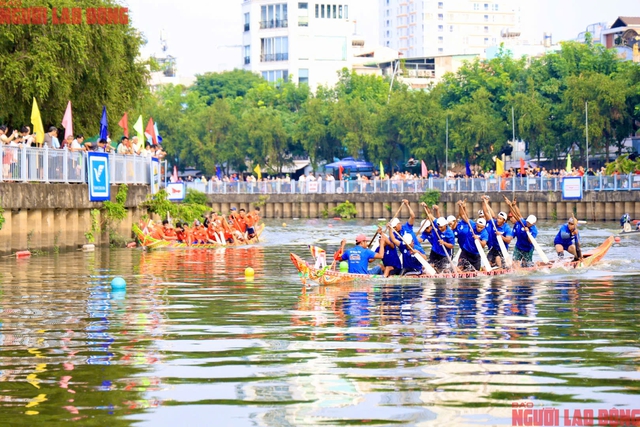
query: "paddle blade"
484, 261
428, 268
538, 248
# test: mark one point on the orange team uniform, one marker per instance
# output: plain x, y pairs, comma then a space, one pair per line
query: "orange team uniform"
211, 232
200, 234
170, 234
157, 233
181, 235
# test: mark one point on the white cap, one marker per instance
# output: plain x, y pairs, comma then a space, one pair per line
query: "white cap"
451, 219
441, 222
531, 219
407, 239
394, 222
481, 221
425, 224
503, 215
480, 213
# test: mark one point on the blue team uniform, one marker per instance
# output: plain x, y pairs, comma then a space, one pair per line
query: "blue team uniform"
522, 240
358, 259
447, 236
465, 237
506, 231
564, 237
408, 228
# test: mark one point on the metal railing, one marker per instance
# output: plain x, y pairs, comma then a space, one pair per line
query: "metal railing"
589, 183
65, 166
271, 57
274, 23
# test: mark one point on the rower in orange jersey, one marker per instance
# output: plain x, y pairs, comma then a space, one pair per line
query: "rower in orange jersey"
253, 218
156, 231
169, 231
188, 234
199, 233
180, 233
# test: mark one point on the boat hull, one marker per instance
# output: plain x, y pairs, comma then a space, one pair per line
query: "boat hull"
332, 277
151, 243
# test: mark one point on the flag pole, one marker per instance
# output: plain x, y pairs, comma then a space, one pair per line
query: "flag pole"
513, 124
446, 150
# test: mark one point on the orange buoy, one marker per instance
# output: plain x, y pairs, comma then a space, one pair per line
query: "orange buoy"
23, 254
617, 239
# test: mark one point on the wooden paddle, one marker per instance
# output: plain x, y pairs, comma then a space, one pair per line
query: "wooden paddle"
483, 257
578, 250
435, 228
503, 247
532, 239
417, 254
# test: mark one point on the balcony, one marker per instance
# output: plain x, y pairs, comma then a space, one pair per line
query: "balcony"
247, 27
247, 60
271, 57
274, 23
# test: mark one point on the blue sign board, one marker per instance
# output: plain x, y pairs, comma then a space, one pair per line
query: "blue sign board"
572, 188
99, 179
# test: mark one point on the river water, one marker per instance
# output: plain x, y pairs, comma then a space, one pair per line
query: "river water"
192, 342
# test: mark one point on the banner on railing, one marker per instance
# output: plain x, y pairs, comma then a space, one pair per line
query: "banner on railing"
176, 191
155, 175
572, 188
99, 179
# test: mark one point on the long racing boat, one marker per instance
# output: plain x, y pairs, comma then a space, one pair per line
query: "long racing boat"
327, 276
152, 243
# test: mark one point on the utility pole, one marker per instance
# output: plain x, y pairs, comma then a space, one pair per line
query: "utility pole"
513, 125
586, 114
446, 150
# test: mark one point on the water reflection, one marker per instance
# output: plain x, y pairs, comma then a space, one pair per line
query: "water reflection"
190, 337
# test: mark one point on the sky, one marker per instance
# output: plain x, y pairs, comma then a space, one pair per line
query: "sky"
205, 35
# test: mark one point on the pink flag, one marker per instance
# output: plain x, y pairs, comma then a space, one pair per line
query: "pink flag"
174, 178
425, 172
67, 122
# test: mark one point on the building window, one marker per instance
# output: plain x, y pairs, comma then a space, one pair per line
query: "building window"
328, 11
451, 28
246, 22
274, 49
440, 17
486, 6
486, 29
440, 39
440, 50
388, 35
346, 11
335, 15
440, 28
387, 40
387, 13
340, 11
440, 5
476, 6
247, 54
486, 41
322, 11
274, 16
495, 7
317, 11
274, 75
303, 76
486, 18
303, 14
387, 22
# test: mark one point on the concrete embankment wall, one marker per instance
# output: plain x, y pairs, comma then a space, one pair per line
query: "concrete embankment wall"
595, 206
49, 217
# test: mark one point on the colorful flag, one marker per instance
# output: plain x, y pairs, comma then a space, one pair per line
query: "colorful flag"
425, 171
124, 124
522, 171
67, 122
568, 163
258, 172
381, 170
468, 167
138, 128
340, 170
175, 174
320, 255
499, 167
150, 132
36, 121
158, 137
104, 124
218, 172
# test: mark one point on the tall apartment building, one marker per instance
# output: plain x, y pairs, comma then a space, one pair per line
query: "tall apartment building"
419, 28
304, 41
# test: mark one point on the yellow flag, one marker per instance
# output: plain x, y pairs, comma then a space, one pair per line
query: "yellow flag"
139, 130
569, 163
381, 170
258, 171
499, 167
36, 121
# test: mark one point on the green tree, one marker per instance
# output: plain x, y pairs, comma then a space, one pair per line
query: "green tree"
212, 86
91, 65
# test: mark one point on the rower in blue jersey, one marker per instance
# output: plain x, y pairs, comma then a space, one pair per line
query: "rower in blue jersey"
360, 256
391, 264
566, 238
497, 228
405, 244
407, 228
442, 241
523, 251
468, 232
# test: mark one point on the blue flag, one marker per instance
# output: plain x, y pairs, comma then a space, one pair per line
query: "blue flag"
218, 172
158, 137
104, 125
468, 167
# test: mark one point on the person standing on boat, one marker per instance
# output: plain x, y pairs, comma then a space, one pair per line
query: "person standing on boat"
468, 232
566, 238
497, 228
360, 256
523, 251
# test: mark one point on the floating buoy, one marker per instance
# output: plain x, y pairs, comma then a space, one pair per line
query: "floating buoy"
118, 283
248, 272
132, 244
88, 247
337, 218
23, 254
344, 267
617, 239
284, 224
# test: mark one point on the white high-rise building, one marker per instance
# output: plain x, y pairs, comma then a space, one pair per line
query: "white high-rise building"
303, 41
419, 28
